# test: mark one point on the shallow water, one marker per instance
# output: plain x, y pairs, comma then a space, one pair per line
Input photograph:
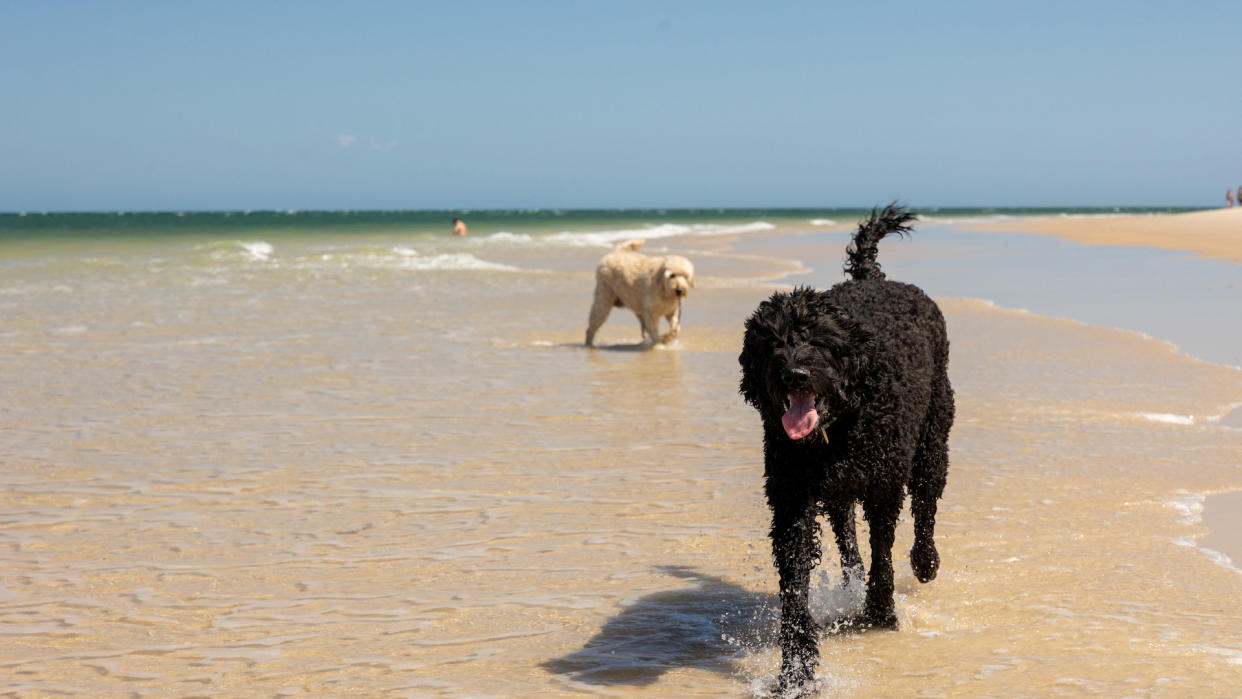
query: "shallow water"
388, 468
1165, 294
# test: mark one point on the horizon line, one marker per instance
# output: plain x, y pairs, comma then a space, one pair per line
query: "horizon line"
563, 209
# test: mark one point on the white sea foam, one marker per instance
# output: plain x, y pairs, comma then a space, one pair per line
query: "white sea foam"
1232, 656
1190, 506
935, 220
507, 237
454, 261
1114, 214
664, 230
403, 258
1230, 416
1168, 418
822, 222
258, 250
1218, 558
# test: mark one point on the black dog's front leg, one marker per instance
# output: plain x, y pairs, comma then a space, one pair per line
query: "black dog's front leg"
795, 548
881, 512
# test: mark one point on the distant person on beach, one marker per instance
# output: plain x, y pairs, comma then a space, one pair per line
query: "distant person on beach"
1240, 195
1229, 197
459, 226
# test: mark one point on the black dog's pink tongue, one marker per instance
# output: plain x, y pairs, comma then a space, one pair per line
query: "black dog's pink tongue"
801, 417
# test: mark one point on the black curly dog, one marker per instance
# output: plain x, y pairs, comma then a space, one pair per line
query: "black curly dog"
853, 389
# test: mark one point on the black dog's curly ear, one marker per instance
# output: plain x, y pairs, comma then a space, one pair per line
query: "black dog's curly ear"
754, 357
749, 360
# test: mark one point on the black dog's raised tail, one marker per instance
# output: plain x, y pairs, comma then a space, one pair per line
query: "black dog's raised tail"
860, 254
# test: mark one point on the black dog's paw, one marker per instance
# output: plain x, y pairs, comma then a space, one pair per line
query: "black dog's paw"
861, 622
925, 561
876, 619
794, 684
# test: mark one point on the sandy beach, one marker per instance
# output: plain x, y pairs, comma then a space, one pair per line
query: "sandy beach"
302, 394
1214, 233
282, 464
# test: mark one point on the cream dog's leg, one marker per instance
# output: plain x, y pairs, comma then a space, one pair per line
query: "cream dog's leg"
651, 327
604, 301
674, 323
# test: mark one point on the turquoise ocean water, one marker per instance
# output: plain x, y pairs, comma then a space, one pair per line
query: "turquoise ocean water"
30, 225
1165, 294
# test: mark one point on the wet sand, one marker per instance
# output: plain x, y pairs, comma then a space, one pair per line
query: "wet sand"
1213, 233
291, 478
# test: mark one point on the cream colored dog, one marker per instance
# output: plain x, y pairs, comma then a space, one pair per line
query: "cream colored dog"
650, 286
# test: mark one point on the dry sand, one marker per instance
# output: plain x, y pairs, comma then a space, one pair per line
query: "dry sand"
1214, 233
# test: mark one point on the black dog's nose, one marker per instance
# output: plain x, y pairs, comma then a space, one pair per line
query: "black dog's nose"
795, 376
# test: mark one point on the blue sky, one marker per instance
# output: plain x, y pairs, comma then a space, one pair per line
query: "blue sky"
472, 104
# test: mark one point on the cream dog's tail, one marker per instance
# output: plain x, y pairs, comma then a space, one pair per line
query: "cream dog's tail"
631, 245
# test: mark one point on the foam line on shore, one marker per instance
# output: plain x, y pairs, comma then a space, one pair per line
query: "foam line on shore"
1191, 506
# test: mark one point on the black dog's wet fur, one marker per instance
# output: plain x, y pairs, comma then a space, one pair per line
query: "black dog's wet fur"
875, 354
